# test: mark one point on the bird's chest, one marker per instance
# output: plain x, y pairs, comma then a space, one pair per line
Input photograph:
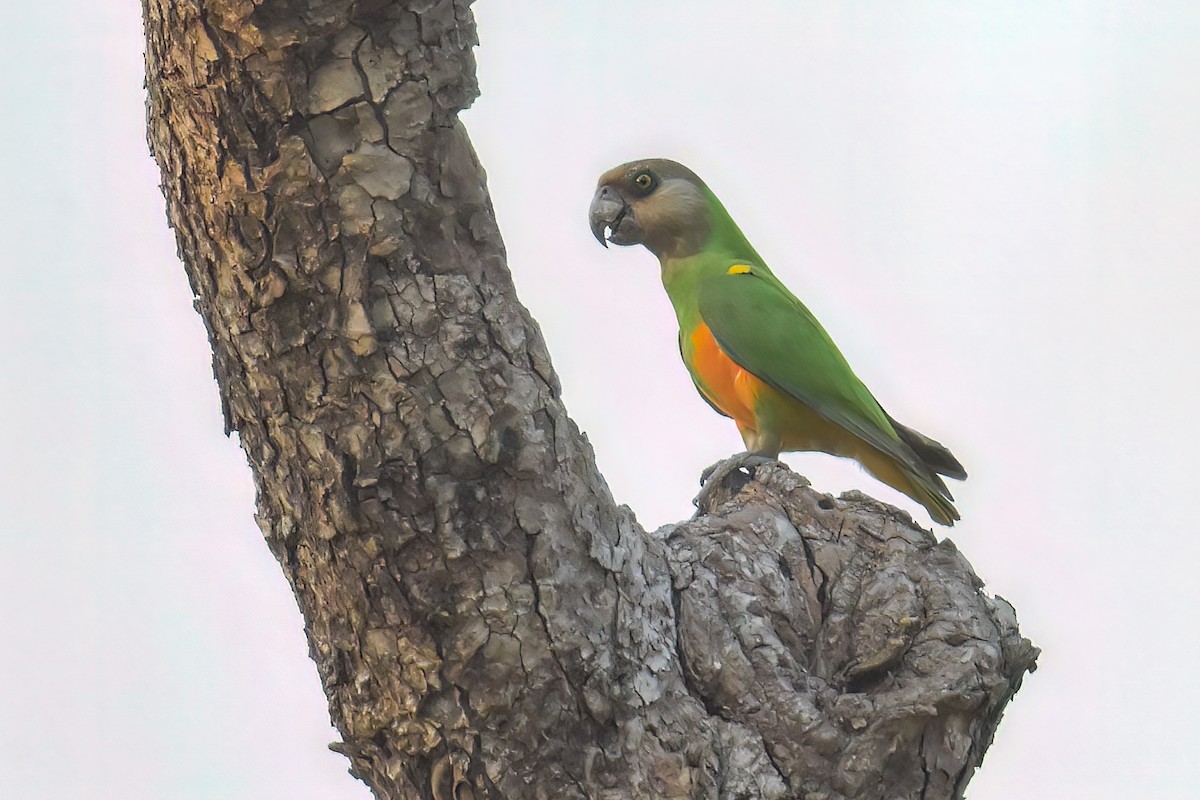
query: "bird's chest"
726, 384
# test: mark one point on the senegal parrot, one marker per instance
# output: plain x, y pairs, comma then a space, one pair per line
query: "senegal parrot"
755, 353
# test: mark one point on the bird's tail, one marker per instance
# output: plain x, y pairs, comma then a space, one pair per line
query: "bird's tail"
919, 477
915, 480
929, 489
935, 455
934, 496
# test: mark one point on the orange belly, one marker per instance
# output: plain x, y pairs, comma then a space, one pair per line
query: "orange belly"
730, 388
769, 420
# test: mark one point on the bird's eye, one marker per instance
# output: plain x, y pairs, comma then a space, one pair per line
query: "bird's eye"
644, 181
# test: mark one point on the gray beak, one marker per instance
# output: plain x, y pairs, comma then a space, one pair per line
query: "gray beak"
611, 218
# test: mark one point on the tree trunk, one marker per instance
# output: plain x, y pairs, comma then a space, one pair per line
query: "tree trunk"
486, 621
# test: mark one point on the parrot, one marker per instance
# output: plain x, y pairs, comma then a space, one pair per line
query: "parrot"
755, 353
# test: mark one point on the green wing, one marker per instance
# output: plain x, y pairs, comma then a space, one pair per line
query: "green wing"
767, 331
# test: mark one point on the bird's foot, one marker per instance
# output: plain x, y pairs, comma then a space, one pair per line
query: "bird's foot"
714, 477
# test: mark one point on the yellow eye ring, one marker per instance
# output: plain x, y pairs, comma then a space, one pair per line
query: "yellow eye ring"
644, 181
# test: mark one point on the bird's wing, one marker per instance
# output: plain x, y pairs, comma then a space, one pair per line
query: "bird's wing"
768, 332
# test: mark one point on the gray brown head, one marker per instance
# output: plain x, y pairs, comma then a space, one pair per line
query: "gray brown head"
655, 202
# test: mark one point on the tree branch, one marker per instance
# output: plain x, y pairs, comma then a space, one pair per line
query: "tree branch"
486, 621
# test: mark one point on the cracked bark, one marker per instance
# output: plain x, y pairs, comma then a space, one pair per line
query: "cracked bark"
485, 620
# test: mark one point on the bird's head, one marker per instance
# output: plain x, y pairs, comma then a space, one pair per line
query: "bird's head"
658, 203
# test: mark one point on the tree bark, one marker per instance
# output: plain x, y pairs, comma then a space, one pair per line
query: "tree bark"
486, 621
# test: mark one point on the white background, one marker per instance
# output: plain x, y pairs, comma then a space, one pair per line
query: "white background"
994, 208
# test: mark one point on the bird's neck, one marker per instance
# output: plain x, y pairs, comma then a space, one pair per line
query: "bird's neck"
725, 246
685, 270
683, 277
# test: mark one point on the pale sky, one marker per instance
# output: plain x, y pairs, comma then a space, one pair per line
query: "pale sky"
993, 207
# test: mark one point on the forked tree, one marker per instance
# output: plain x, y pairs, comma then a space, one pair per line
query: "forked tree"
486, 621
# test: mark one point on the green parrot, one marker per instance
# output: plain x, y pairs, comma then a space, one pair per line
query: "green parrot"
755, 353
